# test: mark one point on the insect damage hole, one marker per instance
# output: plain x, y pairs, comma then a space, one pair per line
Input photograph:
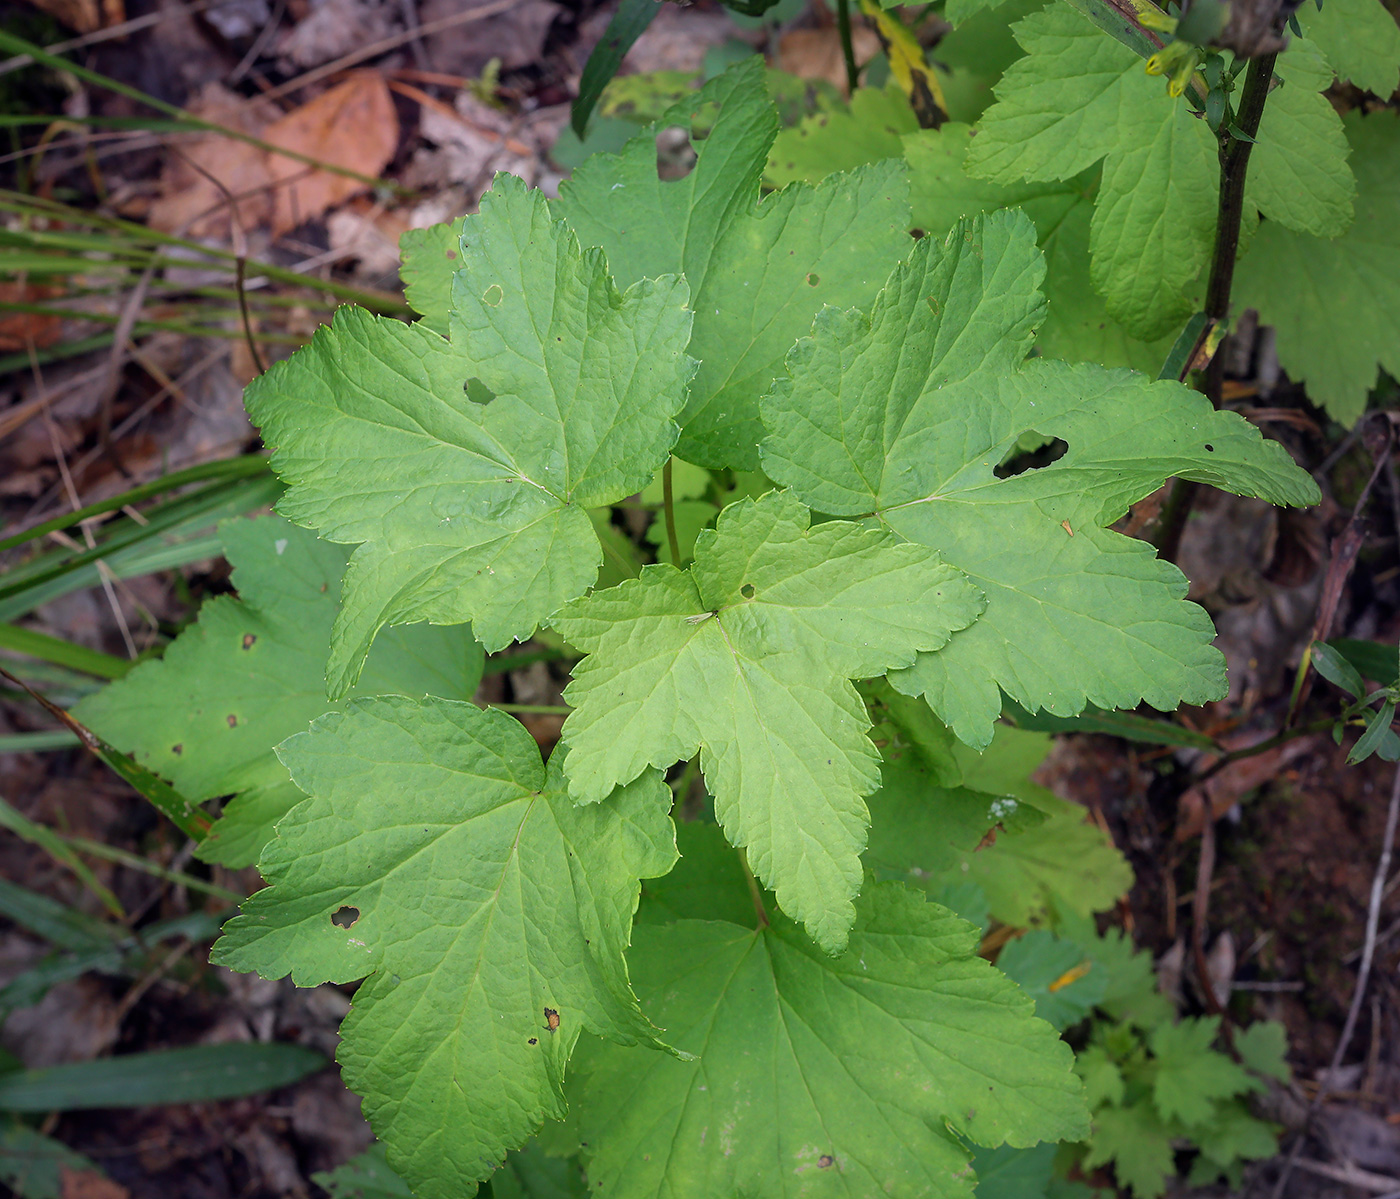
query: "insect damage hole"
1031, 451
493, 295
345, 916
747, 591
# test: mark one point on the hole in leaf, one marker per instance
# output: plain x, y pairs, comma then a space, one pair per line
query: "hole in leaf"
675, 156
1031, 452
345, 917
746, 591
1210, 449
493, 295
478, 392
813, 279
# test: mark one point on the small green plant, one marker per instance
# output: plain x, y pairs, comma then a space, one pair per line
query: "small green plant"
782, 997
1373, 711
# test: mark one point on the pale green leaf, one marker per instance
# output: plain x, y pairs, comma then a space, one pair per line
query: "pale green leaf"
758, 270
1298, 170
821, 1076
745, 658
251, 672
1360, 39
865, 131
1138, 1145
440, 860
1154, 221
1103, 1080
1079, 97
1191, 1076
907, 413
430, 259
471, 511
1336, 304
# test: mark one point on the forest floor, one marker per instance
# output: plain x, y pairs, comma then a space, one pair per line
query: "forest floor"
438, 104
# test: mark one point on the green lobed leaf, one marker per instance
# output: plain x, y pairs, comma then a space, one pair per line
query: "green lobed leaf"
758, 269
865, 131
1138, 1144
1336, 303
1360, 39
470, 511
439, 857
1191, 1076
251, 672
1298, 171
744, 658
429, 261
907, 412
854, 1076
1263, 1047
1079, 97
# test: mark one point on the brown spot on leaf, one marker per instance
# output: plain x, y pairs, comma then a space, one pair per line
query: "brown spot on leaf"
551, 1018
232, 721
248, 639
177, 750
825, 1162
534, 1040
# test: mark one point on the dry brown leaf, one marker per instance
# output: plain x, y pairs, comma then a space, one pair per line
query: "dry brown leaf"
85, 16
352, 126
19, 329
190, 202
817, 53
87, 1184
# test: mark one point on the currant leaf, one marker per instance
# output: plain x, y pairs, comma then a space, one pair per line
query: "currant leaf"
1336, 304
438, 858
868, 1070
470, 511
907, 412
1360, 39
745, 658
826, 245
251, 672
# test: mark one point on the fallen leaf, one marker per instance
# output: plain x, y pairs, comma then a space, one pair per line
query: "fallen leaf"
352, 126
88, 1184
19, 329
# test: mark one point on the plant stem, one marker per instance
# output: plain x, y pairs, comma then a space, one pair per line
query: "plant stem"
755, 891
848, 50
1234, 168
669, 504
533, 709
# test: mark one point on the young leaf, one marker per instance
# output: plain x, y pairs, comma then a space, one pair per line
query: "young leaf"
1263, 1047
1308, 288
1138, 1144
1333, 667
1078, 97
745, 658
816, 1075
470, 511
758, 270
251, 672
439, 857
907, 413
1191, 1076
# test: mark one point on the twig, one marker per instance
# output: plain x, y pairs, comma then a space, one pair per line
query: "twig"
1200, 908
121, 29
260, 43
1363, 977
848, 50
1344, 553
